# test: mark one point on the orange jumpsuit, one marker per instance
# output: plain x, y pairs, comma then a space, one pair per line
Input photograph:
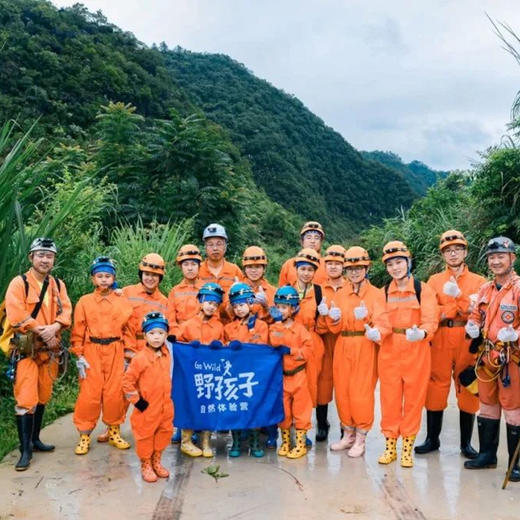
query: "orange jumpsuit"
100, 333
325, 379
198, 329
183, 304
496, 309
148, 377
450, 348
404, 366
297, 403
307, 317
142, 303
355, 356
237, 330
288, 274
35, 376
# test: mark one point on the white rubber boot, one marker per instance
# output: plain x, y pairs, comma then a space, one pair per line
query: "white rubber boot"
358, 448
347, 441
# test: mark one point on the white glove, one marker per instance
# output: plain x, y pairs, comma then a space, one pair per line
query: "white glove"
506, 334
372, 333
415, 334
334, 312
323, 310
450, 288
82, 365
361, 312
472, 329
261, 298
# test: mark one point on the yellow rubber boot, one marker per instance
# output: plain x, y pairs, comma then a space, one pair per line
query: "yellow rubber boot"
285, 447
390, 453
407, 450
147, 471
187, 446
83, 445
300, 449
158, 468
206, 448
115, 439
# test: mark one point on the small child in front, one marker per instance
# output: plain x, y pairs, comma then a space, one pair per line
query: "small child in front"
147, 384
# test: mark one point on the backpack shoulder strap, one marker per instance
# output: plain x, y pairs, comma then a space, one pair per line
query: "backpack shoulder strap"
26, 284
318, 295
386, 291
417, 288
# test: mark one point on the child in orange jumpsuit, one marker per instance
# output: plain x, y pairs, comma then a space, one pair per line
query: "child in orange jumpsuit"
245, 328
206, 328
99, 336
147, 384
297, 402
404, 357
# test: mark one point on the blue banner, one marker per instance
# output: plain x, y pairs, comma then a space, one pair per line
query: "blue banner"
227, 389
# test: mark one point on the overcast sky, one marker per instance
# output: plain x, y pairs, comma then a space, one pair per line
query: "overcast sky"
425, 79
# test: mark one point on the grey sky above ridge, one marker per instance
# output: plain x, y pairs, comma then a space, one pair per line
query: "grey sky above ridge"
427, 80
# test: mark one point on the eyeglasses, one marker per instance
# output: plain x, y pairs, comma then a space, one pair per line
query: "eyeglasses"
453, 250
308, 257
253, 258
359, 259
335, 253
189, 253
395, 250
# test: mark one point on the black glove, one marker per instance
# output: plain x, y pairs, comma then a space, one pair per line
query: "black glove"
475, 344
141, 405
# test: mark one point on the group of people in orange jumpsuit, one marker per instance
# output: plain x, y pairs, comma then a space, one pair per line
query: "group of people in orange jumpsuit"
343, 334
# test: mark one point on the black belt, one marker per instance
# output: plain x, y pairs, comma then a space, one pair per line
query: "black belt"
103, 341
294, 370
139, 336
352, 333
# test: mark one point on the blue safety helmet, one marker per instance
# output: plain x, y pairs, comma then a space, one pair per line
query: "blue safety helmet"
155, 320
103, 264
210, 292
241, 292
287, 295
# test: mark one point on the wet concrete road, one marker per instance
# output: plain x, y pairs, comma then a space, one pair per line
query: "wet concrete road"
106, 484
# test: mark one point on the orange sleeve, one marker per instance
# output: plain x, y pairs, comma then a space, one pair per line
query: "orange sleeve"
172, 315
79, 328
18, 312
130, 379
380, 317
65, 317
305, 347
263, 330
283, 278
429, 311
324, 324
447, 310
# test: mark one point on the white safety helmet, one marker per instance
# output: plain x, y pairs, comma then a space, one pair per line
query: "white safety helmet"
215, 230
43, 244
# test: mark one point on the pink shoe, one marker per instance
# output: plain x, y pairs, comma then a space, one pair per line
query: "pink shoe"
347, 441
358, 448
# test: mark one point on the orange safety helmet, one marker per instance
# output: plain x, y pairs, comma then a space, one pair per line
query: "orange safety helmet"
356, 255
395, 248
254, 255
309, 256
452, 237
152, 263
312, 226
334, 253
188, 252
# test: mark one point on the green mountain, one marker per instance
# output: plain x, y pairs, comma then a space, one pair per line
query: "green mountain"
419, 176
207, 137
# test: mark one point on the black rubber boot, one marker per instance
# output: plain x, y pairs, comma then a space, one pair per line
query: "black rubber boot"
488, 431
25, 430
466, 429
322, 428
513, 434
38, 445
433, 430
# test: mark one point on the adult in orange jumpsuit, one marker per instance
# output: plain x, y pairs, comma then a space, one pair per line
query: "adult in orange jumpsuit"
36, 371
404, 357
311, 237
99, 335
332, 292
355, 355
455, 288
206, 328
182, 300
147, 384
496, 320
254, 262
246, 327
307, 262
297, 401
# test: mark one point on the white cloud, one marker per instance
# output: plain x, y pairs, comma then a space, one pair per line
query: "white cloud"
427, 80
